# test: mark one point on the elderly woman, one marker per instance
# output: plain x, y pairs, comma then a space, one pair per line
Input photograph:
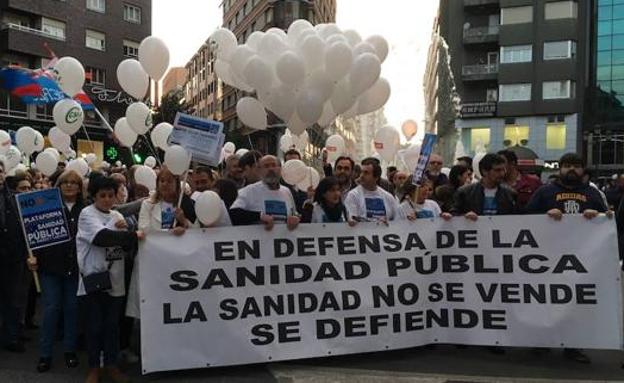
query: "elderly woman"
58, 272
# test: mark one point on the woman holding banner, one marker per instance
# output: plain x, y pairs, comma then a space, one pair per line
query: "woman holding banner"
328, 206
160, 212
58, 273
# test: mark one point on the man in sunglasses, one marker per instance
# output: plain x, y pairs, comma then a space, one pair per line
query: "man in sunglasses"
434, 171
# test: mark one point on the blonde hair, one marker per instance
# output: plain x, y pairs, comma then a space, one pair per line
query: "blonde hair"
72, 175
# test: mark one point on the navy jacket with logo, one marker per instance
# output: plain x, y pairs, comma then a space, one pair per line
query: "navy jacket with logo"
569, 199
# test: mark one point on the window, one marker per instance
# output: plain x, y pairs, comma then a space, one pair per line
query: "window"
559, 50
132, 13
554, 90
555, 136
561, 10
517, 15
514, 92
516, 135
95, 40
479, 138
95, 76
516, 54
96, 5
130, 48
53, 27
491, 95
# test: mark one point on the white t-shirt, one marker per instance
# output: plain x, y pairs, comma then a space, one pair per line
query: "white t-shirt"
490, 205
94, 259
428, 209
258, 197
372, 205
319, 216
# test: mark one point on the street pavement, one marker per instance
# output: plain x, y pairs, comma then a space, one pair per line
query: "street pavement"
443, 364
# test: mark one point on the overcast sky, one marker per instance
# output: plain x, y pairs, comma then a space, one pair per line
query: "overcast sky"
406, 24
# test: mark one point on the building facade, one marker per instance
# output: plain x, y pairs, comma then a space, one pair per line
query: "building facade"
520, 72
604, 122
99, 33
174, 80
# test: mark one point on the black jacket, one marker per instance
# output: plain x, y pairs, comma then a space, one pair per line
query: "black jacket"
470, 198
13, 247
61, 259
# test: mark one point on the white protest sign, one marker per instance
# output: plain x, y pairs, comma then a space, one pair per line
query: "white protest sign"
241, 295
201, 137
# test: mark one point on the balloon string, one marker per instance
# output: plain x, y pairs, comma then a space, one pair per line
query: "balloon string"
152, 149
88, 138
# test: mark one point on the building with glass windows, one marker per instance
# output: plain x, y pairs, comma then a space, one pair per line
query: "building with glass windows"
604, 119
519, 69
99, 33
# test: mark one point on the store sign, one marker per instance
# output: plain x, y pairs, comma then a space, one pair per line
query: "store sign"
110, 95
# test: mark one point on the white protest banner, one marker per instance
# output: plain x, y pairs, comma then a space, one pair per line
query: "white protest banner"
242, 295
201, 137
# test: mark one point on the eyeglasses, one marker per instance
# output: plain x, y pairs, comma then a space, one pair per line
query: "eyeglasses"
69, 183
435, 163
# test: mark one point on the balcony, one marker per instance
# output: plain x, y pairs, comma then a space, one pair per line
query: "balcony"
478, 109
481, 35
480, 72
33, 31
481, 3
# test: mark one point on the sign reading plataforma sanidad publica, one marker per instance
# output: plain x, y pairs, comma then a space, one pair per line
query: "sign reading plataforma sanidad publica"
241, 295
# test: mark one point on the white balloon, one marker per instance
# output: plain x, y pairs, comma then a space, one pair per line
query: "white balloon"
177, 159
290, 69
252, 113
298, 26
80, 166
258, 74
338, 60
279, 32
150, 162
241, 152
300, 141
240, 57
91, 158
12, 157
225, 42
320, 82
271, 47
286, 143
335, 146
342, 98
446, 171
475, 165
154, 57
253, 41
59, 139
387, 141
132, 78
55, 153
283, 101
46, 163
381, 46
295, 125
228, 149
364, 73
25, 138
39, 142
144, 175
222, 68
410, 157
70, 75
160, 134
68, 115
363, 47
293, 171
71, 153
312, 48
311, 179
124, 133
353, 37
329, 30
139, 117
375, 97
309, 106
19, 168
5, 141
328, 116
208, 208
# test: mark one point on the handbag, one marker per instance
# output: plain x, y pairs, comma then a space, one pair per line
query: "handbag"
97, 282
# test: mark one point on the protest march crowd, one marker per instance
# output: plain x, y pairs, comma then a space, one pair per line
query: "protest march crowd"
109, 214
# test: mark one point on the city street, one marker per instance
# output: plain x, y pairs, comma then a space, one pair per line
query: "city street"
442, 364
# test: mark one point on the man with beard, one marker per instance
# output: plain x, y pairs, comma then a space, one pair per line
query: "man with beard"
434, 171
249, 165
233, 172
266, 201
524, 184
568, 195
489, 196
343, 171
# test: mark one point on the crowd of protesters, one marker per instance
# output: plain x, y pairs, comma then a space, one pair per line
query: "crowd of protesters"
109, 214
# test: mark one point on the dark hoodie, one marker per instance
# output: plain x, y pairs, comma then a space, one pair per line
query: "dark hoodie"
570, 199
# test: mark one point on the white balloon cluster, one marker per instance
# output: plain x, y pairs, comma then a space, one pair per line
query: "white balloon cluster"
311, 74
